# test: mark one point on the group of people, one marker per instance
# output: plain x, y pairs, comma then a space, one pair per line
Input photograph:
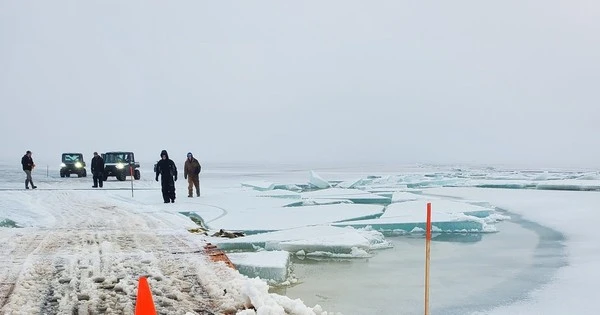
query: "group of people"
165, 167
167, 170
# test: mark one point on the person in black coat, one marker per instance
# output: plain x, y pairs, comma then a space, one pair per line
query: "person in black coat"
168, 174
28, 165
97, 170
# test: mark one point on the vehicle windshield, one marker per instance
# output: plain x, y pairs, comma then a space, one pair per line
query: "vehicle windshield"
117, 158
72, 158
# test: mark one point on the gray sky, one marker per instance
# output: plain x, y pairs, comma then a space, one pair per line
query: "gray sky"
512, 82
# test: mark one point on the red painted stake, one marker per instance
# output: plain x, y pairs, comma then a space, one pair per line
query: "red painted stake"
427, 256
428, 231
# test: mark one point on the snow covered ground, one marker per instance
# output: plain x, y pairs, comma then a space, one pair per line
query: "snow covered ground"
78, 249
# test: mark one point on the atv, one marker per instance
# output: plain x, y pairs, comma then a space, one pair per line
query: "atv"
72, 163
120, 164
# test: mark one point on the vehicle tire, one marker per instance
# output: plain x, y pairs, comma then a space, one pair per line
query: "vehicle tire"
104, 178
84, 173
121, 177
68, 174
62, 174
136, 174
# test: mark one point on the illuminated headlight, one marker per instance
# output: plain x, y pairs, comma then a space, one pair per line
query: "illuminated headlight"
78, 164
120, 166
63, 165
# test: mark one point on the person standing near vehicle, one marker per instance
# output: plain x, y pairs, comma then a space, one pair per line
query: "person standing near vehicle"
168, 176
28, 165
97, 170
191, 172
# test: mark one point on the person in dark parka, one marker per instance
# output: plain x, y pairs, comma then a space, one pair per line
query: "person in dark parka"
97, 170
28, 165
168, 175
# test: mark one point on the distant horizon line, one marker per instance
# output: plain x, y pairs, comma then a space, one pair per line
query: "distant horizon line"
332, 165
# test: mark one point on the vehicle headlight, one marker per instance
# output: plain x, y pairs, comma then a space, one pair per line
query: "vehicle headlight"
78, 164
63, 165
120, 166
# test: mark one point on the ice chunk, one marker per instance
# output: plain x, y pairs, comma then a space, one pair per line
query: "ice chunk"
280, 193
205, 212
441, 222
438, 206
267, 219
268, 265
8, 223
354, 195
589, 176
332, 193
314, 202
259, 185
321, 238
570, 184
403, 196
385, 181
317, 181
508, 184
354, 253
387, 192
291, 187
400, 222
353, 183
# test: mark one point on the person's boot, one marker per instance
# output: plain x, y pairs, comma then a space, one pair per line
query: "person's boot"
33, 186
198, 192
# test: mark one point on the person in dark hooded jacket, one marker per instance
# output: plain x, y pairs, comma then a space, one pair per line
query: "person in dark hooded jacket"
97, 169
28, 165
168, 175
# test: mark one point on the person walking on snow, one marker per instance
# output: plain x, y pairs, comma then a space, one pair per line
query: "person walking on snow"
28, 166
97, 170
191, 172
168, 176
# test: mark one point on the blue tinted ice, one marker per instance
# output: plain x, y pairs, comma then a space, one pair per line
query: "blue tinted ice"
256, 220
268, 265
317, 181
259, 185
313, 239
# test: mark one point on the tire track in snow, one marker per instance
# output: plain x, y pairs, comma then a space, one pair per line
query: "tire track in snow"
14, 252
82, 266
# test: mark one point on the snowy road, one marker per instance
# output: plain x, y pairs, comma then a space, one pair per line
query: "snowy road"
88, 249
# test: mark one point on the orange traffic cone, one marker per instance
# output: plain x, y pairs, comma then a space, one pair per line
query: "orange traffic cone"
144, 304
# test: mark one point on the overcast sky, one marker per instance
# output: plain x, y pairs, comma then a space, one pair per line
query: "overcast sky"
511, 82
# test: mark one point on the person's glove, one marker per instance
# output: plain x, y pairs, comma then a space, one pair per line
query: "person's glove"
184, 176
175, 177
156, 178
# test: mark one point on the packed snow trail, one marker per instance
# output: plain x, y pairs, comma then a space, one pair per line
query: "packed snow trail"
87, 255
